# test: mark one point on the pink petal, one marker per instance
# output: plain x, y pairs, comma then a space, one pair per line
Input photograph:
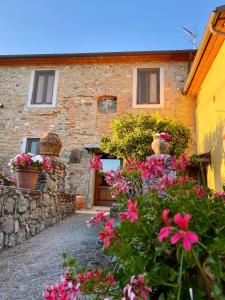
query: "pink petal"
164, 233
193, 237
187, 243
178, 219
176, 237
186, 219
165, 216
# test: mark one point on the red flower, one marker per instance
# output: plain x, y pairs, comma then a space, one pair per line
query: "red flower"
189, 238
108, 234
98, 219
132, 212
136, 288
95, 163
200, 191
165, 231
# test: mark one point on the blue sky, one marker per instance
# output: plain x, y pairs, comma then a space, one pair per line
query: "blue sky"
64, 26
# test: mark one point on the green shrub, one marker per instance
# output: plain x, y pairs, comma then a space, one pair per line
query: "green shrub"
132, 136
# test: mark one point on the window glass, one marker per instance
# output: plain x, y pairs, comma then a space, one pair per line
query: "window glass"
43, 87
110, 164
32, 145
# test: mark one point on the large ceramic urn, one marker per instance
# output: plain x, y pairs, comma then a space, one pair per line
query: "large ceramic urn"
160, 145
50, 144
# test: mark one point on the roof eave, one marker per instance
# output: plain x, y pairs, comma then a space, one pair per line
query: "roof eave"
201, 50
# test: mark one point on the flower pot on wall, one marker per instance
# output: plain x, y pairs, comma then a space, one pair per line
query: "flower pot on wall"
27, 178
160, 146
50, 144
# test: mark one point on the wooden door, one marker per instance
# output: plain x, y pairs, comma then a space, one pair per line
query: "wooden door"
102, 192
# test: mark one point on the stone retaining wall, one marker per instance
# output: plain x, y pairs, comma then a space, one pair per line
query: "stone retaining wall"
25, 213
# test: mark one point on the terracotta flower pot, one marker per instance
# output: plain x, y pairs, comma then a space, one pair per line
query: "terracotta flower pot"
27, 178
79, 202
50, 144
160, 146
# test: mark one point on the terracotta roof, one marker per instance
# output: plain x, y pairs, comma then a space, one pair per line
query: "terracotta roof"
207, 52
103, 57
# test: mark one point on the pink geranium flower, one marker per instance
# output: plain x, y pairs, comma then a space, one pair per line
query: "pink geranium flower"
67, 289
200, 191
98, 219
132, 213
108, 234
136, 288
189, 238
95, 163
166, 230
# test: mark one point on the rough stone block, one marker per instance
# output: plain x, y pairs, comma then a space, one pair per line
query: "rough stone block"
9, 205
22, 205
8, 224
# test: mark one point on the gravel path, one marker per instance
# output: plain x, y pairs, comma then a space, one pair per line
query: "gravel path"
26, 269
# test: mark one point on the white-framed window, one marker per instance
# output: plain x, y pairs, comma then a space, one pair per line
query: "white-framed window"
31, 144
148, 88
43, 88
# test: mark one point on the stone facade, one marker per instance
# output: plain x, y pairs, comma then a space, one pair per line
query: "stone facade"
25, 213
76, 117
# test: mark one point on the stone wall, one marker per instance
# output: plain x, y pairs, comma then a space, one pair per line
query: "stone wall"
76, 117
25, 213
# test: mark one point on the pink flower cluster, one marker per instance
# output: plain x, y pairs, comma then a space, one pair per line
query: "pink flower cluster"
152, 167
100, 218
219, 195
188, 237
24, 160
200, 191
136, 289
132, 213
179, 164
164, 136
95, 163
117, 182
96, 276
132, 165
67, 289
109, 233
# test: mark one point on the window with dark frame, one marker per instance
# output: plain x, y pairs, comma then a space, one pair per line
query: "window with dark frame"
32, 146
43, 87
148, 86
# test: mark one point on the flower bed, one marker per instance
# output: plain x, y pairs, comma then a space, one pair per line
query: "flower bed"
167, 241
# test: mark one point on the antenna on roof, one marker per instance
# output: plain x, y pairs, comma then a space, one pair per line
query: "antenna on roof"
192, 36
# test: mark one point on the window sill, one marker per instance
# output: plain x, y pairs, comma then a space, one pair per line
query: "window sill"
148, 105
41, 105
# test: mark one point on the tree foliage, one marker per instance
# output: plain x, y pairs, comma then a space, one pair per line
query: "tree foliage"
132, 136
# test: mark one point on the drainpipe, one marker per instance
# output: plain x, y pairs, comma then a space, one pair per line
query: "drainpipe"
216, 32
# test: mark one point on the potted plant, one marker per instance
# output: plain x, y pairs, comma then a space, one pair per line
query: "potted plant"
160, 143
27, 168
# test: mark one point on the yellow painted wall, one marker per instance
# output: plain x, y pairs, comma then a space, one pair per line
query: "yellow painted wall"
210, 119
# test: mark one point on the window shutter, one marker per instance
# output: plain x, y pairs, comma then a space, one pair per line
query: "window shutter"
148, 87
43, 87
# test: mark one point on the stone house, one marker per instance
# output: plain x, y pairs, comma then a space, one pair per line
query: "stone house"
78, 95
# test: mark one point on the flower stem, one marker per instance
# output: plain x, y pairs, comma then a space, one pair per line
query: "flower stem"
201, 270
180, 275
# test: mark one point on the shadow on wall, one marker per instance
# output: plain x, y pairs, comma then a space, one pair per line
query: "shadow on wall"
213, 142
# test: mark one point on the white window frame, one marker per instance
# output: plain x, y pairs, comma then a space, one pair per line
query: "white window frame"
54, 95
161, 87
24, 142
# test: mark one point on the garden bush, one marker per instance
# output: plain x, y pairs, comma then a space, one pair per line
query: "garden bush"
132, 135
